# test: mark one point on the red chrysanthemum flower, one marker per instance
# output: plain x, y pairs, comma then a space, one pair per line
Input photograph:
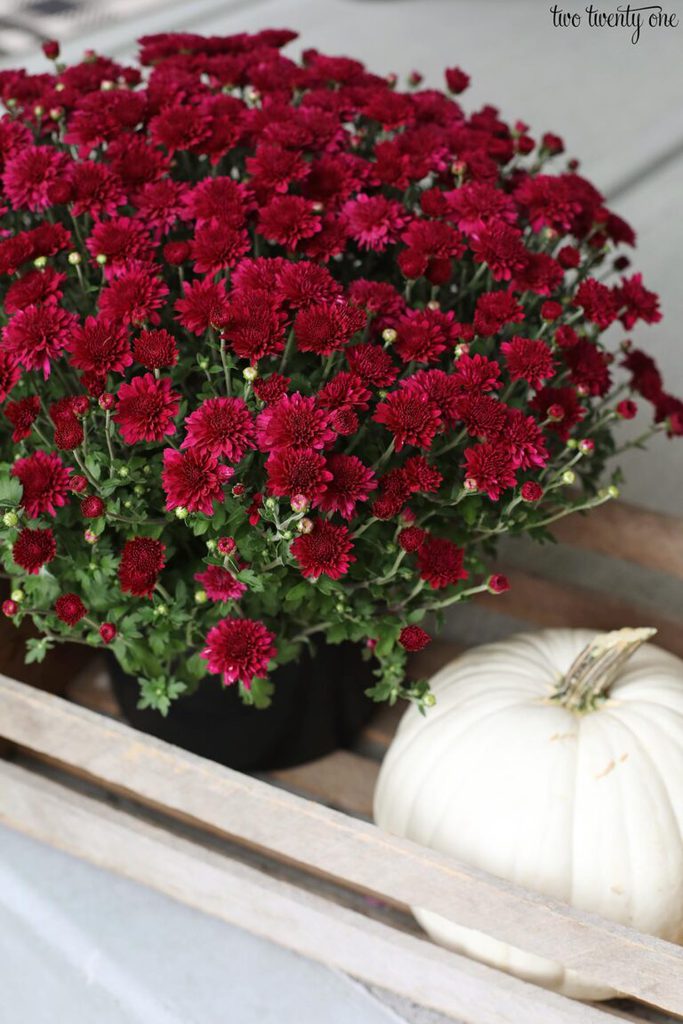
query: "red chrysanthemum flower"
36, 335
528, 359
423, 334
589, 367
288, 220
217, 245
411, 538
636, 302
99, 347
271, 389
414, 638
492, 467
145, 409
325, 327
70, 609
120, 240
325, 551
294, 422
95, 190
33, 549
142, 559
155, 350
133, 297
477, 204
525, 440
350, 482
239, 650
30, 174
410, 416
220, 584
477, 373
430, 247
372, 364
22, 415
192, 480
456, 80
440, 562
598, 302
293, 472
500, 247
420, 476
222, 427
571, 410
253, 326
297, 285
9, 373
374, 222
45, 480
203, 305
33, 288
494, 310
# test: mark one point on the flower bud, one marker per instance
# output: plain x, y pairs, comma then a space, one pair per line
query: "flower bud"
107, 631
92, 507
627, 409
569, 477
531, 491
299, 503
106, 401
587, 446
429, 700
572, 443
211, 544
139, 490
389, 335
107, 85
10, 519
200, 597
305, 525
613, 491
40, 262
161, 610
461, 349
181, 512
90, 537
270, 504
10, 608
73, 259
101, 259
498, 584
470, 484
226, 545
250, 373
555, 412
18, 596
124, 472
203, 362
38, 110
51, 49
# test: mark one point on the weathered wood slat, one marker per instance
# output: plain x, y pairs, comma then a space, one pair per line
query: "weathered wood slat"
623, 531
545, 602
277, 910
349, 850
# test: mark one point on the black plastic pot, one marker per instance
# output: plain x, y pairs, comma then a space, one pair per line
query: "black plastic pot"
318, 706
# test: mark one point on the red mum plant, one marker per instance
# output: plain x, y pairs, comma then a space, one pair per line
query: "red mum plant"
285, 349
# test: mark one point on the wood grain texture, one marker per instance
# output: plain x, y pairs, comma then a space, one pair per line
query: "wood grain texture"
346, 849
544, 602
623, 531
276, 910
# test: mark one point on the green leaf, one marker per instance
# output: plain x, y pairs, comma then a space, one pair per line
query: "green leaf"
259, 694
10, 491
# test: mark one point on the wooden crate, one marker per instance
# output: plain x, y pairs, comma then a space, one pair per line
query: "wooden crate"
293, 856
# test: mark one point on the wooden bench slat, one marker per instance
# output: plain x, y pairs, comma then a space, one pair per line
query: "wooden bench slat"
276, 910
545, 602
349, 850
650, 539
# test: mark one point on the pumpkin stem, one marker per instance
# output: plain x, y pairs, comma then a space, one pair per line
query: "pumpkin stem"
597, 666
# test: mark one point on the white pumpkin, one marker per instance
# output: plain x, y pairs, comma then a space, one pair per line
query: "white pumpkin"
576, 794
